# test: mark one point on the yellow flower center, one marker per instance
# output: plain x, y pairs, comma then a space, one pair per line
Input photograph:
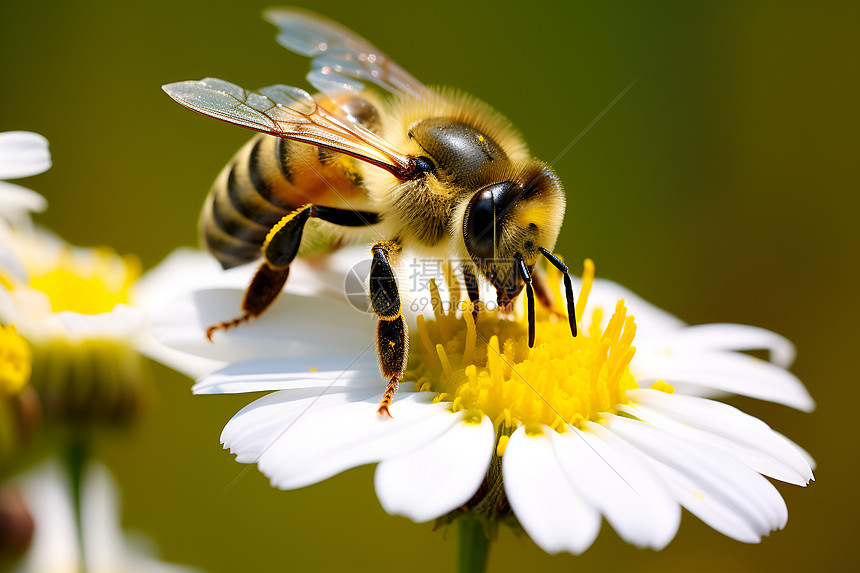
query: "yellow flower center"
489, 369
16, 361
95, 288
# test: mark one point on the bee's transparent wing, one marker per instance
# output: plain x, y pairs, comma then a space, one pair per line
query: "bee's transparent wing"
342, 60
291, 113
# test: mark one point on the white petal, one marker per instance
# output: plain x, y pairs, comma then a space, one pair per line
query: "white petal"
123, 322
102, 529
54, 546
23, 153
341, 371
11, 264
615, 479
548, 507
650, 321
739, 435
30, 311
711, 509
188, 364
723, 492
806, 455
716, 337
16, 202
439, 477
261, 422
186, 270
12, 312
728, 371
295, 325
301, 444
183, 271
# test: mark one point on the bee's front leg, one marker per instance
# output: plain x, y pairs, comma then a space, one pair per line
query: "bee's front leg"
392, 335
279, 250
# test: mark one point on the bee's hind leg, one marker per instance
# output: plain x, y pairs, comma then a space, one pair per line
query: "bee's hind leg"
392, 335
279, 250
263, 290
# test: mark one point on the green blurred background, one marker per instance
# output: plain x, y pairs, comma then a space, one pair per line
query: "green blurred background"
723, 187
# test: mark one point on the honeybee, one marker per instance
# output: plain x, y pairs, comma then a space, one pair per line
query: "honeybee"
374, 154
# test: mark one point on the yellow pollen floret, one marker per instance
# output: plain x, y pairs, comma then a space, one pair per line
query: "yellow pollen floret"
91, 288
503, 443
16, 361
489, 367
663, 387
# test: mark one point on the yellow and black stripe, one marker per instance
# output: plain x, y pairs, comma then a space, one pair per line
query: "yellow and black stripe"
271, 177
240, 208
267, 179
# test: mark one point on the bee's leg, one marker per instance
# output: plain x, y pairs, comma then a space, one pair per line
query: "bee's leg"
568, 287
392, 336
472, 288
279, 250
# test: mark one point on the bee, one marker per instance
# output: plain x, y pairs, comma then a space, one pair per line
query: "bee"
375, 156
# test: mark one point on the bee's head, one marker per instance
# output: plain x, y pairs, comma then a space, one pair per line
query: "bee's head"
510, 221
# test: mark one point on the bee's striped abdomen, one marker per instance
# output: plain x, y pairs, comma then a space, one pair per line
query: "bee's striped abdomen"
270, 177
240, 209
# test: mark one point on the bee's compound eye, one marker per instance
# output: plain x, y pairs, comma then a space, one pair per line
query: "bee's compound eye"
485, 209
423, 165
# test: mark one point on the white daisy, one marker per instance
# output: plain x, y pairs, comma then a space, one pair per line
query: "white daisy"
71, 304
559, 437
55, 548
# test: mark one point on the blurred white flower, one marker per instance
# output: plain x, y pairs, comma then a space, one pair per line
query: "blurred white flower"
70, 303
107, 549
561, 435
55, 290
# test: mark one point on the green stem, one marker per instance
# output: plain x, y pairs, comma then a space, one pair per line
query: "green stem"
76, 461
473, 546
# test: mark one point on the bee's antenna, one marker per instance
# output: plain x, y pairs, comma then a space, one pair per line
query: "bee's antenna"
530, 293
568, 287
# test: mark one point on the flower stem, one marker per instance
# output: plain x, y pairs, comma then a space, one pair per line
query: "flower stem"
76, 461
473, 545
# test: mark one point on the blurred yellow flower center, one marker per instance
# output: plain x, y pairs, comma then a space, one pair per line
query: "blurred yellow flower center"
491, 370
91, 288
16, 361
